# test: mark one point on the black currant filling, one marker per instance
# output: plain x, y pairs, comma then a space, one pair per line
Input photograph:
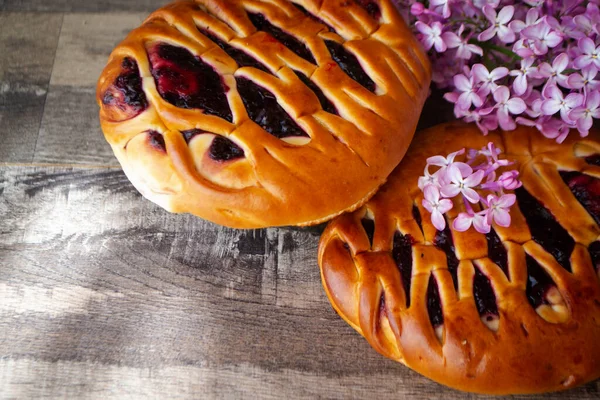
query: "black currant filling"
296, 46
221, 148
349, 64
369, 227
586, 190
485, 299
497, 251
313, 17
417, 216
594, 250
538, 282
593, 160
402, 254
371, 7
545, 230
325, 103
242, 58
443, 241
185, 81
157, 141
434, 304
262, 108
126, 92
190, 133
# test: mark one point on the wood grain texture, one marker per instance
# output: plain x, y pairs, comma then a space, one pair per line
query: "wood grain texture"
27, 47
28, 44
73, 6
105, 294
70, 130
21, 109
85, 43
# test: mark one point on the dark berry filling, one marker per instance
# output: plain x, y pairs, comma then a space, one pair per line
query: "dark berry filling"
190, 133
242, 58
223, 149
157, 140
417, 216
545, 230
382, 304
126, 91
349, 64
586, 190
593, 160
296, 46
443, 241
497, 251
434, 304
262, 108
594, 250
370, 7
538, 282
369, 227
313, 17
325, 103
185, 81
485, 298
402, 254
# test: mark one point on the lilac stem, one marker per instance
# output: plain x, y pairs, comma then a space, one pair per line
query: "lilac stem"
468, 206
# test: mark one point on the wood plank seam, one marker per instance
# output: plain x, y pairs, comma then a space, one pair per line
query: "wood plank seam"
62, 19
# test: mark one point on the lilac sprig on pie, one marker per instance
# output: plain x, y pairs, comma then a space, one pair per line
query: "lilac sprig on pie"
514, 310
254, 114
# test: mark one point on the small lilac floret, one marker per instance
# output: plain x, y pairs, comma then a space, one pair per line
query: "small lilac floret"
455, 178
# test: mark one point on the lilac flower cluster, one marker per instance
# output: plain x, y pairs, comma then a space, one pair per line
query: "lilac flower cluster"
455, 178
503, 62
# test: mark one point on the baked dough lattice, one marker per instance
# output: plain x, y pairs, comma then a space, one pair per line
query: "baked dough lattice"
256, 113
513, 311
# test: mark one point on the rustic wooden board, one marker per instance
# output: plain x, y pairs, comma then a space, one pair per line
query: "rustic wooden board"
85, 42
70, 129
81, 5
104, 293
27, 47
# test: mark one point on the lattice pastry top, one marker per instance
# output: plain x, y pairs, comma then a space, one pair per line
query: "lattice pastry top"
262, 113
513, 311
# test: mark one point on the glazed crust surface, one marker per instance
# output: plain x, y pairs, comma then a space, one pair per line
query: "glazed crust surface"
340, 162
525, 349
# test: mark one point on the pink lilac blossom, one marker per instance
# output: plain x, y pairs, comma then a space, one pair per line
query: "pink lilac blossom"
436, 205
544, 54
463, 179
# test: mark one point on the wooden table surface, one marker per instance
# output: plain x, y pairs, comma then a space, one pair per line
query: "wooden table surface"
103, 294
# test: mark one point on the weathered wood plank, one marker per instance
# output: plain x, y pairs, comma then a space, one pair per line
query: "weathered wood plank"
27, 46
105, 294
70, 130
81, 6
21, 109
85, 42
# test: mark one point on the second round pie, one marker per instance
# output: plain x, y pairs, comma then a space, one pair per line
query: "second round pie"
516, 310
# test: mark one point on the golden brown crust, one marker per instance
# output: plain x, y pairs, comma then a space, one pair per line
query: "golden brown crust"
525, 350
278, 181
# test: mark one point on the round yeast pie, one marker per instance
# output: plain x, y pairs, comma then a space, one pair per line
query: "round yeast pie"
256, 113
513, 311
